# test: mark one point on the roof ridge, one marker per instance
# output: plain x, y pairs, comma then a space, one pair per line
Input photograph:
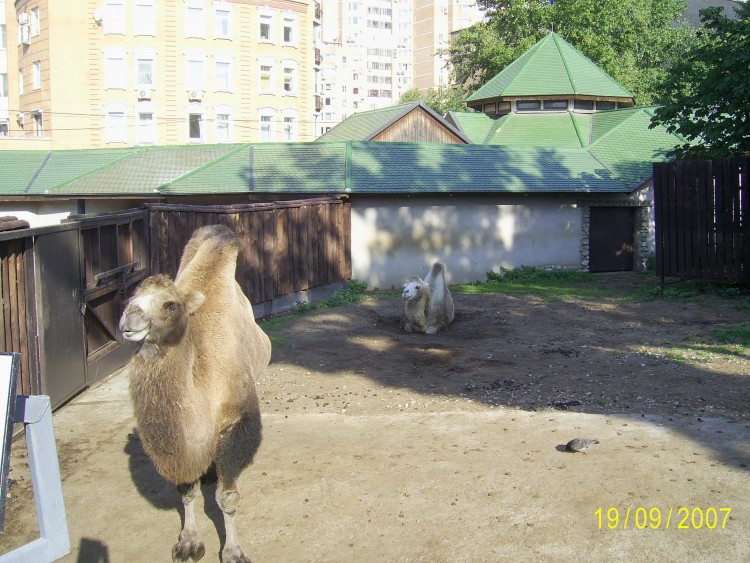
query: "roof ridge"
555, 37
127, 154
601, 69
38, 171
609, 132
496, 126
578, 131
532, 52
205, 166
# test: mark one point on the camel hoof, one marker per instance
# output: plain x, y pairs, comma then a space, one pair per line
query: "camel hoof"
234, 555
182, 551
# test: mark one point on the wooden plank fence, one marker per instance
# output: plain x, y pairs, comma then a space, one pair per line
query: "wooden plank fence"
289, 246
702, 214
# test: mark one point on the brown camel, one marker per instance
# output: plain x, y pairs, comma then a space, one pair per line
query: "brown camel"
192, 382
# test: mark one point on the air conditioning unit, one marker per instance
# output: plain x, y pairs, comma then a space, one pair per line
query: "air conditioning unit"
195, 95
23, 18
25, 34
144, 94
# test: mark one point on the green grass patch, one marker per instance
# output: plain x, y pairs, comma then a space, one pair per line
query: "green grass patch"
739, 335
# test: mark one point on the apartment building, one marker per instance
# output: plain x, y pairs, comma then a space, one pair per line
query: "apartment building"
114, 73
375, 50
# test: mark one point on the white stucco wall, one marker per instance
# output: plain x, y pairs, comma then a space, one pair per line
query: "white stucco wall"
395, 239
52, 212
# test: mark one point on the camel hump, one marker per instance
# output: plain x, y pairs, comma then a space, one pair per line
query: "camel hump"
210, 246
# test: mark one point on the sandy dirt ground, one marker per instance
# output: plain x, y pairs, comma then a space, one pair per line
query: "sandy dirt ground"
386, 446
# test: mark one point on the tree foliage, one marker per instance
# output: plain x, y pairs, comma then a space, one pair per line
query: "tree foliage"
442, 100
632, 40
708, 89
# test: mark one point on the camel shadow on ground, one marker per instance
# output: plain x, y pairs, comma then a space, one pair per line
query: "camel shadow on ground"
163, 494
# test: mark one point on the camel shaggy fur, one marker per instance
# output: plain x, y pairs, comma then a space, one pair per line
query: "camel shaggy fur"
192, 382
428, 304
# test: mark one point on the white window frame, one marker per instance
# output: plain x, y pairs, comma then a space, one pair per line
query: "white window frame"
35, 22
195, 18
267, 133
3, 84
221, 59
115, 68
223, 28
115, 20
289, 22
290, 133
266, 17
197, 109
145, 18
36, 75
289, 71
229, 122
37, 117
146, 56
116, 122
195, 78
271, 63
145, 133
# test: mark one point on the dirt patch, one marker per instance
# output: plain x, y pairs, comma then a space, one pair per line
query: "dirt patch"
386, 446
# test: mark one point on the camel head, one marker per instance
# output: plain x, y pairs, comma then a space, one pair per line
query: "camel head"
414, 288
158, 312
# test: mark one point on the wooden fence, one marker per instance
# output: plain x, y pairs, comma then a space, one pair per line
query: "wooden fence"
16, 257
703, 219
63, 287
289, 246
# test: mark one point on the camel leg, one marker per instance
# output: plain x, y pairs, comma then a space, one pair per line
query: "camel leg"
189, 546
237, 447
227, 497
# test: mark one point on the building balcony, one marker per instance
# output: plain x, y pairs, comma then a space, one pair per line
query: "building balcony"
318, 11
318, 103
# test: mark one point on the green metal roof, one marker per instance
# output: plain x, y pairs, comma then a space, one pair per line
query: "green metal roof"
475, 125
449, 168
366, 125
552, 67
556, 130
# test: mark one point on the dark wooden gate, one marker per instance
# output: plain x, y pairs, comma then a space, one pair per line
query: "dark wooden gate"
611, 239
115, 259
702, 212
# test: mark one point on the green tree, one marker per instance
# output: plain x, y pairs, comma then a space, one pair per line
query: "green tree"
632, 40
442, 100
708, 89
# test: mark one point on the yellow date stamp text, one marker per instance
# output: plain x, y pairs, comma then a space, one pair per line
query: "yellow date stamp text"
655, 518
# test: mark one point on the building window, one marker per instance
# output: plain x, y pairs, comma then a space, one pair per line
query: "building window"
223, 76
146, 130
289, 132
584, 104
223, 22
35, 22
267, 116
38, 118
555, 105
195, 127
145, 73
145, 17
3, 84
115, 123
195, 21
37, 74
222, 128
4, 128
3, 36
290, 77
529, 105
114, 17
266, 75
601, 105
115, 72
290, 30
196, 72
266, 27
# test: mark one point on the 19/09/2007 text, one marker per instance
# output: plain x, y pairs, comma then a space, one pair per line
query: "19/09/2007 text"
682, 518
